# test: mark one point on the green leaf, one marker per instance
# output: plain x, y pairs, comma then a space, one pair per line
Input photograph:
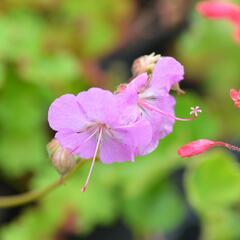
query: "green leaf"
20, 36
212, 181
211, 60
22, 117
221, 225
98, 26
2, 74
160, 210
57, 69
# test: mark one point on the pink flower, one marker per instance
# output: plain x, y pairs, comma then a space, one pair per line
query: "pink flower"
220, 10
202, 145
235, 96
96, 120
148, 98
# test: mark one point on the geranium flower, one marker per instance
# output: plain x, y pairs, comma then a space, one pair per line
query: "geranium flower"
96, 120
149, 98
220, 10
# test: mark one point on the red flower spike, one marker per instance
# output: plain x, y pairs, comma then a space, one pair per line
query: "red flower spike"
235, 96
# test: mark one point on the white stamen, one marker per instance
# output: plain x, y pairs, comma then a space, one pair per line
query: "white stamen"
195, 111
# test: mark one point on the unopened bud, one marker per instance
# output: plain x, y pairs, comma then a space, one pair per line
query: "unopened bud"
61, 158
145, 64
197, 147
121, 87
235, 96
202, 145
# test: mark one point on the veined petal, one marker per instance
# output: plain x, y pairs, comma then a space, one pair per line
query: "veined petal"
66, 114
128, 100
141, 151
162, 125
138, 83
81, 144
137, 134
112, 150
99, 105
166, 73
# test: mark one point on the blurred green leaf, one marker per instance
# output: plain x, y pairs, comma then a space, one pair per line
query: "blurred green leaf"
22, 118
52, 69
212, 181
160, 210
2, 74
20, 36
221, 225
98, 25
211, 59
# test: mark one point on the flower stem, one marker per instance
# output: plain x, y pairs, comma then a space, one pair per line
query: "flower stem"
229, 146
24, 198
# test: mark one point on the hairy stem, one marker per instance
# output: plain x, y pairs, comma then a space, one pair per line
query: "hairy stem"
24, 198
229, 146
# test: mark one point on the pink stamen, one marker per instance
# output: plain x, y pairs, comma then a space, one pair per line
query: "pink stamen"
93, 161
152, 108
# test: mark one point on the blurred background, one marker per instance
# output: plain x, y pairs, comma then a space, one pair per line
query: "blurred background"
52, 47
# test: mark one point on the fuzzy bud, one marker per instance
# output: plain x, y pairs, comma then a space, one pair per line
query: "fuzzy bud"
145, 64
197, 147
61, 158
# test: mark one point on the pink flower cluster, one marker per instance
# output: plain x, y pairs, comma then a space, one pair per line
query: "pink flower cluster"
123, 125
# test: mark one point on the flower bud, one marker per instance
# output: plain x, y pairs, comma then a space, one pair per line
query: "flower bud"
145, 64
121, 87
62, 159
196, 147
235, 96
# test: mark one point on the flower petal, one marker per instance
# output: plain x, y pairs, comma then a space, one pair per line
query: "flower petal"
112, 150
138, 83
163, 124
128, 100
81, 144
149, 148
66, 114
136, 135
166, 73
99, 105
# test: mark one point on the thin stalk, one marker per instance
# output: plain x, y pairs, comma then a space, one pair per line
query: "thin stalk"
229, 146
24, 198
